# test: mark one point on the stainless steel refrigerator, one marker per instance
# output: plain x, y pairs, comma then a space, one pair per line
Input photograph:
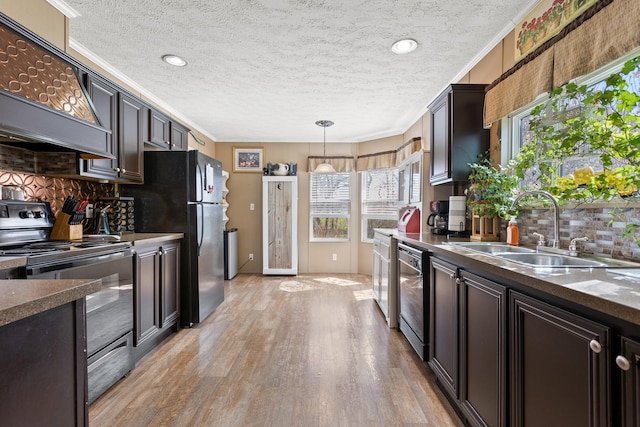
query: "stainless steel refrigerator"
182, 192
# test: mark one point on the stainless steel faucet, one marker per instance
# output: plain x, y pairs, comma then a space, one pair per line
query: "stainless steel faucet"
573, 250
556, 217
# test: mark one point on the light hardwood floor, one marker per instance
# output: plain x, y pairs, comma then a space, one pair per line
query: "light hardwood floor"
282, 351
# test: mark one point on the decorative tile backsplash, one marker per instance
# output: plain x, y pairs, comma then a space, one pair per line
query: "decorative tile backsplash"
53, 189
45, 177
603, 225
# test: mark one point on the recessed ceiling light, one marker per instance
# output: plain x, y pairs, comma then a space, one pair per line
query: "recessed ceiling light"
174, 60
404, 46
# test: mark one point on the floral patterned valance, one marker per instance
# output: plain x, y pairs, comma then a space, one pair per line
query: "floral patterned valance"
605, 32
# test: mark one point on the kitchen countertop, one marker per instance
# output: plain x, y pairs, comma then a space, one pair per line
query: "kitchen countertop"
8, 262
20, 298
600, 289
138, 239
23, 298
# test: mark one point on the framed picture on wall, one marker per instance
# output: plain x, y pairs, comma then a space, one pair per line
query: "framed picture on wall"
248, 159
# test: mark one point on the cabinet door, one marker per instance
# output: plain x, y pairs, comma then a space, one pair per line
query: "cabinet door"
170, 279
105, 101
131, 143
443, 329
629, 363
147, 319
377, 269
179, 137
440, 141
559, 367
159, 129
483, 334
384, 286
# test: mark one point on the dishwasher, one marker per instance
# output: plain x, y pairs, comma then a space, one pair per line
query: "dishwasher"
412, 319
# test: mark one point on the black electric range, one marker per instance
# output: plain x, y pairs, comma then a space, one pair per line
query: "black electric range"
25, 228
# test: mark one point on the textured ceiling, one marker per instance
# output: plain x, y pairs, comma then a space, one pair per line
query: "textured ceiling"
266, 70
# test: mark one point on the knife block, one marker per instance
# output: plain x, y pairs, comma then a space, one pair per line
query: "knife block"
63, 231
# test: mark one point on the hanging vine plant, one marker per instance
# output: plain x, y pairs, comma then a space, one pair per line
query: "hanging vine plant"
598, 125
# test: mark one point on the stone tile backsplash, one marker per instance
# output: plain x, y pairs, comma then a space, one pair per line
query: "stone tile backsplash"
603, 225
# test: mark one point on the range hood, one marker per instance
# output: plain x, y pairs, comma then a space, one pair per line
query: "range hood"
44, 107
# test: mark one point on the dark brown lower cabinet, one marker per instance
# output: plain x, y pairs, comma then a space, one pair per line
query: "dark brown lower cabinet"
559, 366
443, 324
483, 324
156, 290
170, 279
468, 331
629, 364
43, 369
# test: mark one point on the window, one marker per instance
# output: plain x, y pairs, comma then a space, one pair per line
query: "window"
330, 208
379, 201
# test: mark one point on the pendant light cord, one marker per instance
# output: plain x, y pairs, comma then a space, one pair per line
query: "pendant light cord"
324, 145
324, 124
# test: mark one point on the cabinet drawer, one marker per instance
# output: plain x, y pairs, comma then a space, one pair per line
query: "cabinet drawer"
106, 367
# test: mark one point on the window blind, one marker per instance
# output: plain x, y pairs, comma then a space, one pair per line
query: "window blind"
330, 194
380, 193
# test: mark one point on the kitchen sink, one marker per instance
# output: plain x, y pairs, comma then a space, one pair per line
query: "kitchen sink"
534, 258
550, 260
493, 247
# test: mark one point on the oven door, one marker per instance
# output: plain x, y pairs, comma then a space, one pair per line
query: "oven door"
110, 310
411, 316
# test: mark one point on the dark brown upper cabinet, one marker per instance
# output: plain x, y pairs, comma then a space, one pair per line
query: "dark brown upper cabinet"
165, 133
122, 114
457, 134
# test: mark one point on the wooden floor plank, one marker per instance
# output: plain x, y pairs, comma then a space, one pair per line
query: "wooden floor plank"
282, 351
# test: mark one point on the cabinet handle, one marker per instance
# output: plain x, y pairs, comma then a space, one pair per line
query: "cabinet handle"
116, 169
595, 346
623, 363
123, 170
458, 281
168, 143
452, 276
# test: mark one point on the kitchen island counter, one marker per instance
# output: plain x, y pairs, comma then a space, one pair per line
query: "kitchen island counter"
23, 298
604, 290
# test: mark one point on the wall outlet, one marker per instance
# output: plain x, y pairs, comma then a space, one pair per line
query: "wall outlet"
334, 257
250, 257
88, 212
252, 206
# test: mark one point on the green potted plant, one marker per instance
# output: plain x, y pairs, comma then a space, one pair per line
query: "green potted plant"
489, 198
490, 190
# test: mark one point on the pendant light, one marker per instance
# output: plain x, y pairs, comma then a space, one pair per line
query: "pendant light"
324, 167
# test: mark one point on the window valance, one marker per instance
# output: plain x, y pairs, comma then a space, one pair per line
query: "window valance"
603, 33
391, 158
339, 163
381, 160
407, 149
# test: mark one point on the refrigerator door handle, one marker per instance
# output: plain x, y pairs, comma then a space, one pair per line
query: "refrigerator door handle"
200, 227
200, 177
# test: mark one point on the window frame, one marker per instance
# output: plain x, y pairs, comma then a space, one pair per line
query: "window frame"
347, 216
364, 218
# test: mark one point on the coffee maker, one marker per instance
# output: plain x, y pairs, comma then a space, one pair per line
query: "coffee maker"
438, 220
